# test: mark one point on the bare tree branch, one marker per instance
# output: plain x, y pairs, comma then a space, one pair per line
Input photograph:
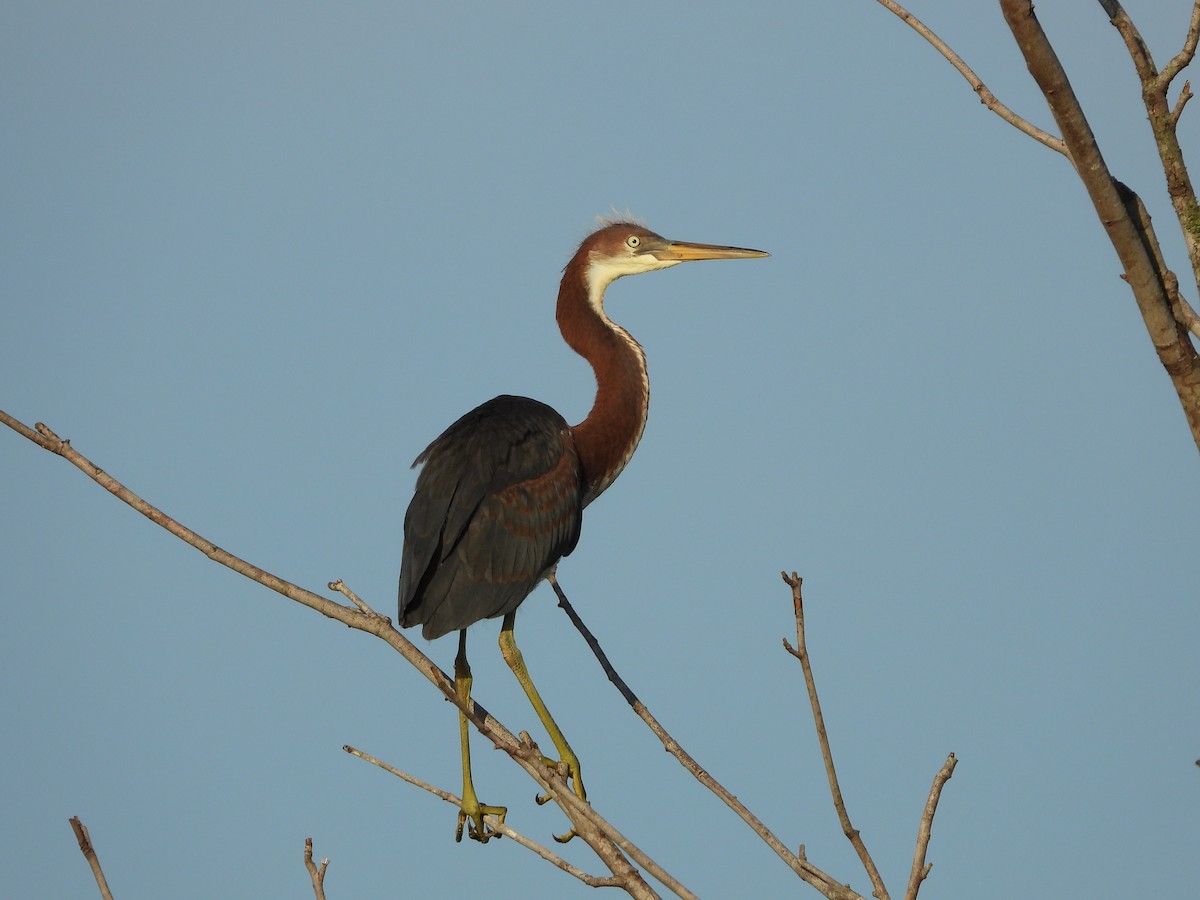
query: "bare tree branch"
1164, 119
800, 651
824, 883
1184, 96
610, 845
588, 825
1184, 315
1184, 58
986, 97
501, 828
921, 869
89, 853
317, 874
1176, 353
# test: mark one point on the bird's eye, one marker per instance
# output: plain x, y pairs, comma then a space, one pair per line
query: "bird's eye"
633, 241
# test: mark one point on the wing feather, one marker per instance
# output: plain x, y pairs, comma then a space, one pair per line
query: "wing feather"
497, 504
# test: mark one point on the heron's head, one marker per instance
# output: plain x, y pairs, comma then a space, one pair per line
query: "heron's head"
625, 248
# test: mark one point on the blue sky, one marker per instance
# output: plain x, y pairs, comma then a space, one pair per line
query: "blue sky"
254, 257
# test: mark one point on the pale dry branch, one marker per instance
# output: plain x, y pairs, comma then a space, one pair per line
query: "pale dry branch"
89, 853
315, 872
366, 620
800, 651
920, 868
340, 586
824, 883
501, 828
986, 97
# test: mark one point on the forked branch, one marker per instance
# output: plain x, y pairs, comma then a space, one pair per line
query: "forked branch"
1131, 237
986, 97
315, 873
1164, 118
920, 869
501, 828
823, 882
587, 824
800, 651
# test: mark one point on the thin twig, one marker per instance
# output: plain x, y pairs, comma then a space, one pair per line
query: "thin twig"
1184, 96
921, 869
1184, 58
826, 884
89, 853
494, 823
340, 587
986, 97
560, 791
317, 874
1184, 314
800, 651
366, 620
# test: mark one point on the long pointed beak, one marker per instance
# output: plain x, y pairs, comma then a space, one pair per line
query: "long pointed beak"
683, 251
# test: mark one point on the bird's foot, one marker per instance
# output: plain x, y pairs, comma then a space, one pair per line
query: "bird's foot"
470, 815
568, 768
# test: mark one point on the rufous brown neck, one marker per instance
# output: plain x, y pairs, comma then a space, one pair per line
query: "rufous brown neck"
606, 438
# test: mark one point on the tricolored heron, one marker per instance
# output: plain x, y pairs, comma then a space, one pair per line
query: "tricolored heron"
501, 496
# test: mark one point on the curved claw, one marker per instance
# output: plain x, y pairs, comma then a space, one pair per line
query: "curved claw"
471, 813
568, 768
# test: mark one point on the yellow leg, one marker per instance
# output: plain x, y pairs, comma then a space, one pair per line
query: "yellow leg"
512, 656
471, 812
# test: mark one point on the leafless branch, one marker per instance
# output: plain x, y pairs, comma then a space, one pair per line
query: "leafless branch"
341, 588
1184, 314
1184, 58
89, 853
499, 827
1184, 96
1164, 119
986, 97
1113, 207
315, 872
589, 826
824, 883
800, 651
921, 869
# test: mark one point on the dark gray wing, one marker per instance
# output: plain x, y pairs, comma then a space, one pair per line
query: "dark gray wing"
497, 503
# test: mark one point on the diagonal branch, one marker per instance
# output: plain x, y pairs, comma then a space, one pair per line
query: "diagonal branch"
89, 853
800, 651
824, 883
986, 97
1128, 238
588, 825
493, 823
1184, 96
1184, 57
920, 868
1164, 119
